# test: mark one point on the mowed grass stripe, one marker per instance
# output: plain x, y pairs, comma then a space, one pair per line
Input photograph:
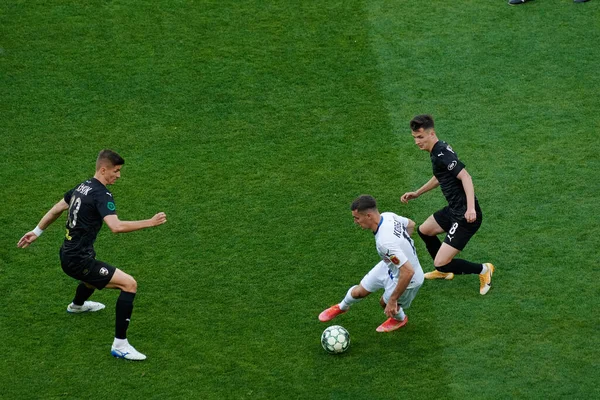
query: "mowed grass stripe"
507, 118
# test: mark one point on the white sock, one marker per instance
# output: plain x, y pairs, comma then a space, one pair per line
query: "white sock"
120, 343
348, 300
484, 269
400, 316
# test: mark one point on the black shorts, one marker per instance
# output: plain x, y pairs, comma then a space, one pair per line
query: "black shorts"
458, 230
91, 271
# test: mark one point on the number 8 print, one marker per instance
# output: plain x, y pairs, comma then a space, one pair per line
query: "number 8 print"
453, 229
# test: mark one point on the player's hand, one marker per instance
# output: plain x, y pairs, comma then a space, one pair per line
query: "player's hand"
27, 239
159, 219
471, 216
408, 196
391, 308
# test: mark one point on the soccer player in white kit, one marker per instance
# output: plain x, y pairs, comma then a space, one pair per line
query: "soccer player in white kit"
399, 272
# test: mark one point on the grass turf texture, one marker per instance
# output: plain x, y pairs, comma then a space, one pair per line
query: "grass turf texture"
253, 125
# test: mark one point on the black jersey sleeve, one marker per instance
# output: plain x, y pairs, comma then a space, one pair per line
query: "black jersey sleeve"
105, 204
447, 159
67, 196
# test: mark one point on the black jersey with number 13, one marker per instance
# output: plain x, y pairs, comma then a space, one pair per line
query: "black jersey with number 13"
89, 202
446, 167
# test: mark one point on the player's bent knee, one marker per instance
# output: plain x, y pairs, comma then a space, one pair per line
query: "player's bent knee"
441, 261
123, 281
131, 285
358, 292
422, 231
430, 227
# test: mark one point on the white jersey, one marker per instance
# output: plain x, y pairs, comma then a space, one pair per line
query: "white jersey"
395, 247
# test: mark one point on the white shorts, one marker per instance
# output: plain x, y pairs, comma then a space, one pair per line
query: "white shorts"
380, 278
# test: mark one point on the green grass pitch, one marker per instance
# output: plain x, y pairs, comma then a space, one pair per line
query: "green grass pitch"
253, 125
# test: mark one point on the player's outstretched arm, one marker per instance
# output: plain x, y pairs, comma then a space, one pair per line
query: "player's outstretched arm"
51, 216
118, 226
430, 185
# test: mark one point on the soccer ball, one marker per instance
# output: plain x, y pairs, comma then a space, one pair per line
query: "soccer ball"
335, 339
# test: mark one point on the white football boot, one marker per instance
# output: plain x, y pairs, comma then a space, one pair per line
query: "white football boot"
128, 352
88, 306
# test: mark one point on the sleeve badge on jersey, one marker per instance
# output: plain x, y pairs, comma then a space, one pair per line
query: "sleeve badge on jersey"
394, 259
452, 165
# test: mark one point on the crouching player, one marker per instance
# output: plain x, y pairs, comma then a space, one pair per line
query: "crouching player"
398, 273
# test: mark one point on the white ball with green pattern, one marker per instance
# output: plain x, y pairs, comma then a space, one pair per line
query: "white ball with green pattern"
335, 339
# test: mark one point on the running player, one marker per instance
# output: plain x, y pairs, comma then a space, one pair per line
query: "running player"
460, 219
89, 204
398, 273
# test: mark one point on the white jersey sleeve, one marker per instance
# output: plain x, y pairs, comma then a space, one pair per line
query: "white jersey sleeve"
392, 253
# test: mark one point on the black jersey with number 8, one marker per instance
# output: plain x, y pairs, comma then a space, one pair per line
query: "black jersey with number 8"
446, 167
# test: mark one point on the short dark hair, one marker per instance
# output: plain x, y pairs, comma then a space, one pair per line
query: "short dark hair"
424, 121
363, 203
108, 156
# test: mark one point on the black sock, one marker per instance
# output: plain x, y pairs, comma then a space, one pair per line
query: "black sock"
123, 314
460, 267
432, 243
82, 294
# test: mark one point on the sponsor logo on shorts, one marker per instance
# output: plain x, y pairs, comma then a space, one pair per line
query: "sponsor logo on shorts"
103, 271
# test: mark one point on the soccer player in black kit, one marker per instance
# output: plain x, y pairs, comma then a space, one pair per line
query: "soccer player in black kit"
90, 203
460, 219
